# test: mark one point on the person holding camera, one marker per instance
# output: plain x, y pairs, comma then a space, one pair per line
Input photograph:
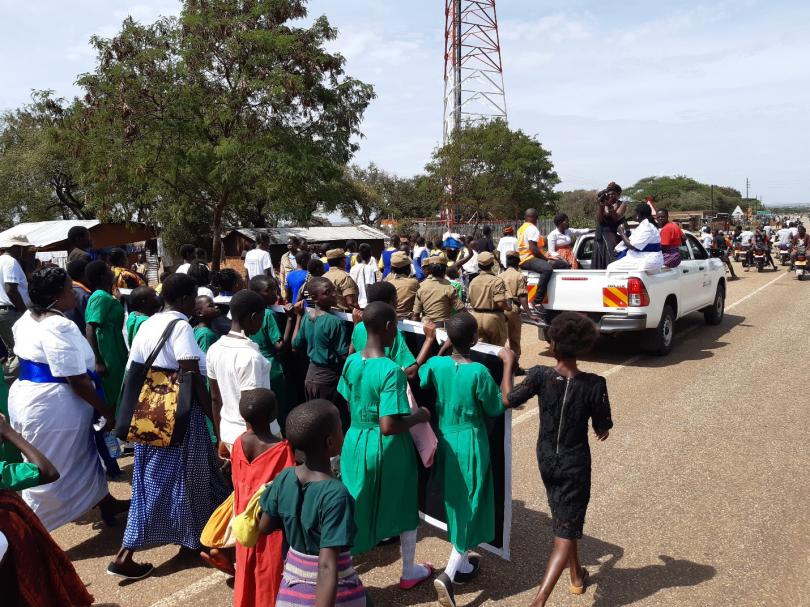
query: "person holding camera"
609, 217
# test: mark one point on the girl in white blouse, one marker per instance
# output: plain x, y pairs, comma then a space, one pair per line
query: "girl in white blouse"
561, 240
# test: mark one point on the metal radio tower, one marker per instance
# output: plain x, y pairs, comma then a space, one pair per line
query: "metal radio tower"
473, 73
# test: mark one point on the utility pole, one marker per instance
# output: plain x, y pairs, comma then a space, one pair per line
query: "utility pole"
747, 183
712, 191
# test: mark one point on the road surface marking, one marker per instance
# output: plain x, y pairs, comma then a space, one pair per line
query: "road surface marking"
194, 589
634, 359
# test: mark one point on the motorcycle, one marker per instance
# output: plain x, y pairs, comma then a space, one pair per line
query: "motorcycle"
760, 258
784, 256
800, 265
739, 252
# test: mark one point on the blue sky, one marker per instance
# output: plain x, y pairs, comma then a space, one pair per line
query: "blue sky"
617, 90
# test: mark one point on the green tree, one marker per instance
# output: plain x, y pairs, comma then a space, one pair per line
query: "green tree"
231, 110
580, 206
37, 169
495, 172
682, 193
372, 194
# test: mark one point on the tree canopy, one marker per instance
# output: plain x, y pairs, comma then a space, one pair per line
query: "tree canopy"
681, 193
495, 171
228, 111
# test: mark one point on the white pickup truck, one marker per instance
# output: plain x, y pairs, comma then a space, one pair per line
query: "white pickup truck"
645, 302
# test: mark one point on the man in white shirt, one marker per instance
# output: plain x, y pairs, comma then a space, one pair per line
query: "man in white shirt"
189, 254
234, 364
507, 244
257, 261
13, 296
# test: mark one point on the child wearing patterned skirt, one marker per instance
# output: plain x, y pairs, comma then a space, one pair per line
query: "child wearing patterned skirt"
316, 514
465, 395
378, 463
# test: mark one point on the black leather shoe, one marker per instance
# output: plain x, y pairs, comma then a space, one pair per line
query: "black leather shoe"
463, 578
444, 589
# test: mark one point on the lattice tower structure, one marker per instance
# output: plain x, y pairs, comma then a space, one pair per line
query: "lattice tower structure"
473, 70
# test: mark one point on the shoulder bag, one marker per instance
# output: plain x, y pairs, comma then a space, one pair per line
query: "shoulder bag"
155, 403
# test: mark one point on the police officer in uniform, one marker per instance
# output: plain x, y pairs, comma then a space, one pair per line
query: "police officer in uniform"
405, 285
488, 299
436, 298
344, 284
518, 294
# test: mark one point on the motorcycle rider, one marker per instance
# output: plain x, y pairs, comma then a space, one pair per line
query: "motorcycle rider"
784, 237
759, 241
802, 239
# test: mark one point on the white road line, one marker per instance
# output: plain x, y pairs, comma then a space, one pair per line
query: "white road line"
526, 415
192, 590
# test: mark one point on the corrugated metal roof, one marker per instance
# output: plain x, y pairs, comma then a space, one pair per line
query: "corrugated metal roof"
44, 233
315, 234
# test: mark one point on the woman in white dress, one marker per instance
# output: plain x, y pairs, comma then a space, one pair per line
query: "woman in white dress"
364, 273
641, 252
561, 240
53, 403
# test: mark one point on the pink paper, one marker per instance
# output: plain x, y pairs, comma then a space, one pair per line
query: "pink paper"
423, 436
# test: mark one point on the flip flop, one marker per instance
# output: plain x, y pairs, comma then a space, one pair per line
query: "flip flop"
143, 570
408, 584
581, 589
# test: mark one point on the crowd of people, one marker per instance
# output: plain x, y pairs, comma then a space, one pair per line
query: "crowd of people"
260, 455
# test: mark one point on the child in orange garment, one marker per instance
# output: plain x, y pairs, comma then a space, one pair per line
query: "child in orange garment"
257, 458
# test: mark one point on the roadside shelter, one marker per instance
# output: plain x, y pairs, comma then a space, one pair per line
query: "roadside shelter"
238, 239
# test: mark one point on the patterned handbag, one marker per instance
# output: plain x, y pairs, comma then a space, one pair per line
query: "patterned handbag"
155, 403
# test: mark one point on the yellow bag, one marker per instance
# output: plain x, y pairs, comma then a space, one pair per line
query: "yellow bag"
218, 531
246, 525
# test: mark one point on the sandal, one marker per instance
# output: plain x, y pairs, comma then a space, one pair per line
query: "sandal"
581, 589
408, 584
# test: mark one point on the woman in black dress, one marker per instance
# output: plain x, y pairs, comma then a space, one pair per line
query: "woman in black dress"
609, 215
568, 400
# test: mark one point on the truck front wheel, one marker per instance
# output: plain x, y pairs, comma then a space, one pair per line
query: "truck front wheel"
660, 340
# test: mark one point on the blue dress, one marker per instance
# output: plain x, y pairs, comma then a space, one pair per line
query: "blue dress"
174, 490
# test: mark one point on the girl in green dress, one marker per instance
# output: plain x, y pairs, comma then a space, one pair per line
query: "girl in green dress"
272, 344
399, 351
465, 394
104, 317
378, 460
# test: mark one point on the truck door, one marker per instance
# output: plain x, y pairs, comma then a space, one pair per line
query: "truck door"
702, 295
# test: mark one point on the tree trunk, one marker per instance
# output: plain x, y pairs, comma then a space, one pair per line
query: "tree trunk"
216, 245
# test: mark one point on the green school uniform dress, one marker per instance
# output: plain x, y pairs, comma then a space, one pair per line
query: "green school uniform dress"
205, 337
18, 476
8, 452
398, 352
266, 338
108, 315
326, 339
134, 322
465, 393
379, 471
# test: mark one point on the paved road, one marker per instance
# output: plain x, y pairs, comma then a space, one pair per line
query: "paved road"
699, 496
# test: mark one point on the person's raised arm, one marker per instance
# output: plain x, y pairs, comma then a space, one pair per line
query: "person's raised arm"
429, 327
47, 471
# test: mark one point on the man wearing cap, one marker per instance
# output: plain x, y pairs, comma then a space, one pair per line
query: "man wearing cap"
507, 243
405, 285
344, 284
487, 297
436, 298
13, 296
518, 294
